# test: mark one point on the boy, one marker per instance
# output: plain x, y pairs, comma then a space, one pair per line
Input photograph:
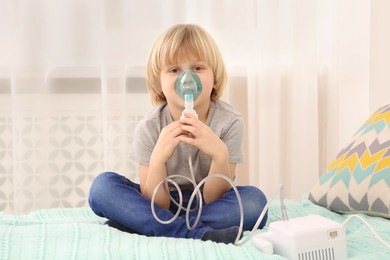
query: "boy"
161, 144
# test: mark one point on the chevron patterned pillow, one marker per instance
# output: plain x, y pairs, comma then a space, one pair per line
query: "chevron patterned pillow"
358, 180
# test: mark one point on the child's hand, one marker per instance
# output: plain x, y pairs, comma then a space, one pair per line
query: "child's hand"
167, 142
201, 136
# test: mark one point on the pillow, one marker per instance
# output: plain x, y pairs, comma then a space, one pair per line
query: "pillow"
358, 180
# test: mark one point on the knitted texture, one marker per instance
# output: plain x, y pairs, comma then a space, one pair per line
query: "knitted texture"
77, 233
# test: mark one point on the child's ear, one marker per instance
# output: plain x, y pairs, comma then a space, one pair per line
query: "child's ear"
213, 92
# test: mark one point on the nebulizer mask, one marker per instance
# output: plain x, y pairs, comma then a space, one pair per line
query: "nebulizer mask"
188, 87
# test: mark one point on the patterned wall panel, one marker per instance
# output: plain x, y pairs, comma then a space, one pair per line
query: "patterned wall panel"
49, 161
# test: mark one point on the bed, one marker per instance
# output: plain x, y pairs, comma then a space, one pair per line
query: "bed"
77, 233
357, 181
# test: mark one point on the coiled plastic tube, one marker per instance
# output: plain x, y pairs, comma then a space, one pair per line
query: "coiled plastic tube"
197, 193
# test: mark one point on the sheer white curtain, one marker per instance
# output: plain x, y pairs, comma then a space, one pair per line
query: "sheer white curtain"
307, 88
72, 88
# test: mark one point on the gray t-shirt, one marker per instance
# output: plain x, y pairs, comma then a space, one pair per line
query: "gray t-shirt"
223, 119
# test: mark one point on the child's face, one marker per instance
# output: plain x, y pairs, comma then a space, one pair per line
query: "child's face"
170, 73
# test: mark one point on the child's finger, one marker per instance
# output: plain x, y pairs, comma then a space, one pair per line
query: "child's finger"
190, 129
189, 115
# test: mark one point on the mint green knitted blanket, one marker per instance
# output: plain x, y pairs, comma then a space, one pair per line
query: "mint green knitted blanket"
77, 233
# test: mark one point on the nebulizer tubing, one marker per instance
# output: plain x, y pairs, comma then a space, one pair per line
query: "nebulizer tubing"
180, 204
188, 87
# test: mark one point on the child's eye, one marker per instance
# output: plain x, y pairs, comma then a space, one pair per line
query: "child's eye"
198, 68
174, 70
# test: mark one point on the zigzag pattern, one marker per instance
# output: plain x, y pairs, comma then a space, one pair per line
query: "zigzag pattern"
358, 198
373, 158
358, 180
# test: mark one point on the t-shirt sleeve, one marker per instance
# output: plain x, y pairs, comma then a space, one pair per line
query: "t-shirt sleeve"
233, 139
144, 140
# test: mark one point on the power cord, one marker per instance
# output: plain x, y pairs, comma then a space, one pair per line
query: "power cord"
369, 226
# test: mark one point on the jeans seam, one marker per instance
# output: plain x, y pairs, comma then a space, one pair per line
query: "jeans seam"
201, 232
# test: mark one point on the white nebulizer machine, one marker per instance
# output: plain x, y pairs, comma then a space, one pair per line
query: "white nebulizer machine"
311, 237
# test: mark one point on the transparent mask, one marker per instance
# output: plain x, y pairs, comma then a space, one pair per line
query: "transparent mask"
188, 87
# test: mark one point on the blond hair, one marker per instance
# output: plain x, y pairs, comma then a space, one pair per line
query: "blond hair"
179, 40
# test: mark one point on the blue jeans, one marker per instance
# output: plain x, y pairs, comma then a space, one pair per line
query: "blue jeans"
116, 198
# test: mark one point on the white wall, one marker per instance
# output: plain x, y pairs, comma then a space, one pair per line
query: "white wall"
380, 54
